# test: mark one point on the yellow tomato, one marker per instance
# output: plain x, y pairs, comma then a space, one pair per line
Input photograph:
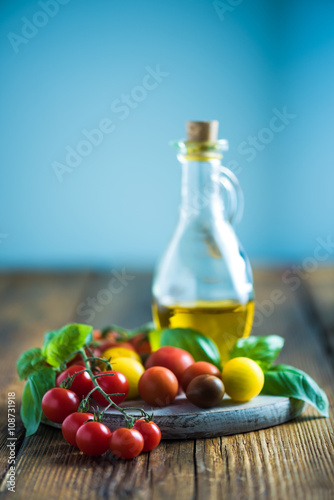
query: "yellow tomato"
243, 379
133, 370
120, 352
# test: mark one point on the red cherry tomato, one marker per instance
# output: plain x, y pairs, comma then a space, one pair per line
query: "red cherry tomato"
71, 425
150, 432
58, 403
175, 359
110, 335
82, 384
141, 343
126, 443
93, 438
199, 368
115, 383
158, 386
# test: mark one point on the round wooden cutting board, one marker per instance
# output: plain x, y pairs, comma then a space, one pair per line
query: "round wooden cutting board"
183, 420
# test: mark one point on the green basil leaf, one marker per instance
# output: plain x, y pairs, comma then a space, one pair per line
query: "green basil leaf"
154, 338
202, 348
48, 336
29, 362
68, 339
37, 385
285, 380
264, 350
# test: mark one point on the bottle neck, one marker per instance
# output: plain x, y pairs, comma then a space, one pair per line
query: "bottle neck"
201, 193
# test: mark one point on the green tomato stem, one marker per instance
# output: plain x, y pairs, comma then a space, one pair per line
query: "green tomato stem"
86, 360
104, 360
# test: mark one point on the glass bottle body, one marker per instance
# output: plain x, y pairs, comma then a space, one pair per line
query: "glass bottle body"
204, 280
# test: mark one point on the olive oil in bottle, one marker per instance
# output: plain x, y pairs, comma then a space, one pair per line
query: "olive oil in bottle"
223, 321
204, 279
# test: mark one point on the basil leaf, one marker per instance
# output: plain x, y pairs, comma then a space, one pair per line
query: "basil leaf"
154, 338
202, 348
285, 380
37, 385
48, 336
68, 339
29, 362
264, 350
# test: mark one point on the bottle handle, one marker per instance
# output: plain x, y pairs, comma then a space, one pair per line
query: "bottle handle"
235, 197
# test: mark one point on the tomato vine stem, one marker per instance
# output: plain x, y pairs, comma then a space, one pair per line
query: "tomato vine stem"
128, 418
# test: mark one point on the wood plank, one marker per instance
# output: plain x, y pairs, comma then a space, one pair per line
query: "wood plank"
58, 470
294, 460
129, 305
38, 304
172, 471
321, 287
30, 304
319, 292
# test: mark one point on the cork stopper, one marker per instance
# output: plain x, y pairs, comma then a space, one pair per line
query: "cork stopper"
202, 131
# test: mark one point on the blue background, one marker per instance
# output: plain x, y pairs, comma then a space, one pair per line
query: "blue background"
235, 63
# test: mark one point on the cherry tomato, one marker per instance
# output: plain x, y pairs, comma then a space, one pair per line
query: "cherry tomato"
120, 352
97, 334
141, 343
205, 391
111, 335
108, 344
93, 438
133, 370
126, 443
58, 403
199, 368
82, 384
71, 425
115, 383
150, 432
158, 386
175, 359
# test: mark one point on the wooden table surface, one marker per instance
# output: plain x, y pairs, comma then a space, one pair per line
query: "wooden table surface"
291, 461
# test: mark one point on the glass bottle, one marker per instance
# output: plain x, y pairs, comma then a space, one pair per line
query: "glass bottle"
204, 279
